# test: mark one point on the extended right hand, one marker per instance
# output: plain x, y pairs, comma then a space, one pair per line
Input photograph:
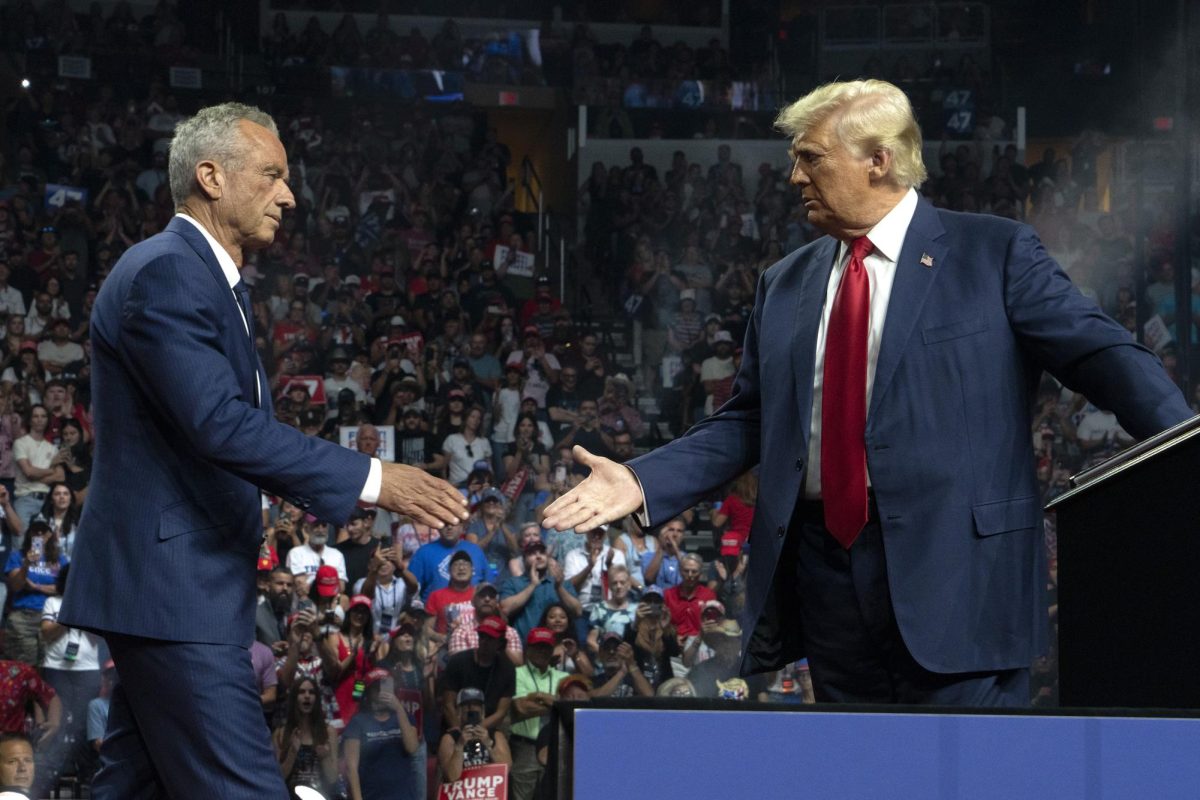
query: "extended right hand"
608, 493
414, 492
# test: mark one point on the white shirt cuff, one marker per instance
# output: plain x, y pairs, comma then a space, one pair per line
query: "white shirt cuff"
374, 484
641, 515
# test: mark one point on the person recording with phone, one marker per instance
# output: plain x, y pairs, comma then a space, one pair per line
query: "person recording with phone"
389, 584
473, 744
378, 742
31, 575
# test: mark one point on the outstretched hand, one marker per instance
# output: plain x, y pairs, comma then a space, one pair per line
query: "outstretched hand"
428, 500
608, 493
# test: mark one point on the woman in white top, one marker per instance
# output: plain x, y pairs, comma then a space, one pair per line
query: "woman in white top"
71, 664
505, 410
465, 448
61, 513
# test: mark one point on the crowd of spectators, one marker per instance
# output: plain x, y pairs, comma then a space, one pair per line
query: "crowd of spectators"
401, 311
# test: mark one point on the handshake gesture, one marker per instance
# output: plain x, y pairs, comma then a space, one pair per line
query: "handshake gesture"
415, 493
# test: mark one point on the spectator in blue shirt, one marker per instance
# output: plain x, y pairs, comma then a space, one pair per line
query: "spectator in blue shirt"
523, 598
431, 563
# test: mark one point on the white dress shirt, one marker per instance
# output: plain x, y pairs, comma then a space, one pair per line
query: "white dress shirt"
888, 239
374, 484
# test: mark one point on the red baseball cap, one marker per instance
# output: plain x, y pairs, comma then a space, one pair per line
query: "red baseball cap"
540, 636
360, 600
327, 581
492, 626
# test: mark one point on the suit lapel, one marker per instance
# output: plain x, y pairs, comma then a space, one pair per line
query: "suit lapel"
810, 299
188, 232
921, 258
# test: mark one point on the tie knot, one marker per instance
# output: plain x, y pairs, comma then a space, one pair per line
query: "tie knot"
861, 247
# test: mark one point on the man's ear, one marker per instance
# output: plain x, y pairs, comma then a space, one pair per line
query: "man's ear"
211, 179
881, 165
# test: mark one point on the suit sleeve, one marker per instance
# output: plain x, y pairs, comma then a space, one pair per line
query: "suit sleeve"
715, 450
172, 347
1085, 349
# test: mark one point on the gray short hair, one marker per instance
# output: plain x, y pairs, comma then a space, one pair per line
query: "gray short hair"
211, 135
690, 556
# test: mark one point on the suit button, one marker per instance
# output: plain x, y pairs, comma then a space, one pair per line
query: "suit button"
799, 464
779, 531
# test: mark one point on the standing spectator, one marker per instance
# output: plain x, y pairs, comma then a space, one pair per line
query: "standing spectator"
465, 448
58, 350
488, 529
447, 604
537, 688
413, 671
274, 606
70, 663
615, 614
315, 553
21, 685
431, 563
660, 566
524, 598
587, 569
11, 300
33, 454
685, 600
686, 328
388, 595
379, 739
31, 575
97, 712
472, 742
417, 447
618, 673
698, 276
718, 677
61, 513
11, 531
485, 668
717, 372
541, 368
358, 651
465, 635
358, 549
75, 459
17, 769
304, 745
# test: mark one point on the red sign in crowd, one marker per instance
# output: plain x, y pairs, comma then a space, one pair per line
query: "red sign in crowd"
478, 783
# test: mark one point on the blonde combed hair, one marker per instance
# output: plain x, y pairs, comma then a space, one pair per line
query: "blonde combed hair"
868, 115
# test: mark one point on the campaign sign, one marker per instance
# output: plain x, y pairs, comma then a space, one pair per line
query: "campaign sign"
58, 195
314, 383
519, 262
410, 701
348, 436
478, 783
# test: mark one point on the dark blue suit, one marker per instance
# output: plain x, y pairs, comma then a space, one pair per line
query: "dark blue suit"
948, 440
165, 562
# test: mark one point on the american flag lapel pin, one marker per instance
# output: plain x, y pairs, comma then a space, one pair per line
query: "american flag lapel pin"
926, 260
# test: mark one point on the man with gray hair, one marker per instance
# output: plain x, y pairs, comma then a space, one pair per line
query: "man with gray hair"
185, 441
885, 388
686, 600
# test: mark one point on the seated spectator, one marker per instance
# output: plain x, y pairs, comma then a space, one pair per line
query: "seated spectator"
617, 414
638, 549
686, 328
97, 711
524, 598
305, 746
33, 455
473, 740
717, 373
22, 688
485, 668
378, 743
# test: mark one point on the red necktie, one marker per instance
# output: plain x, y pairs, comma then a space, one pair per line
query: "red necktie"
844, 402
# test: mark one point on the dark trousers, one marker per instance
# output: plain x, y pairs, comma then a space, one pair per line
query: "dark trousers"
855, 651
185, 721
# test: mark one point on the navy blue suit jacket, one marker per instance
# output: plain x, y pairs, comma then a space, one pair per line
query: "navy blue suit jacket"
169, 538
948, 433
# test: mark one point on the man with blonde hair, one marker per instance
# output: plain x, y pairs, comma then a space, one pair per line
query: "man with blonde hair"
885, 388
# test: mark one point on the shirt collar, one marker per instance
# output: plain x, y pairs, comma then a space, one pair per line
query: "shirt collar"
888, 234
229, 269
